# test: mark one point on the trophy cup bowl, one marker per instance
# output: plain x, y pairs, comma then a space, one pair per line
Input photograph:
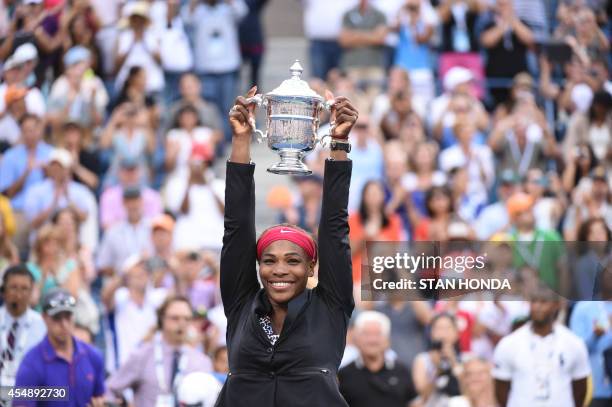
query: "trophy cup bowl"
292, 122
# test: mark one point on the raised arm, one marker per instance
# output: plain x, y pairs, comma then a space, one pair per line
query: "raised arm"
238, 256
335, 267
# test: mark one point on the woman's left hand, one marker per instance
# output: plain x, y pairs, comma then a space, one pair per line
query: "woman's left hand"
343, 114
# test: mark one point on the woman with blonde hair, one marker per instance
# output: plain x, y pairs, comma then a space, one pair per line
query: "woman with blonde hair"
49, 265
8, 251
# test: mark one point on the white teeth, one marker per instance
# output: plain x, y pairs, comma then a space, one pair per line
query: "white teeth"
280, 284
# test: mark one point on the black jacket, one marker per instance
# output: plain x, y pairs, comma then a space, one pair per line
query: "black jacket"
301, 368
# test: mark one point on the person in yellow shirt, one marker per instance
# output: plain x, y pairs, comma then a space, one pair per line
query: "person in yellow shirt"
7, 215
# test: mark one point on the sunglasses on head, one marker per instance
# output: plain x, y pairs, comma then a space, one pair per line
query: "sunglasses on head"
63, 302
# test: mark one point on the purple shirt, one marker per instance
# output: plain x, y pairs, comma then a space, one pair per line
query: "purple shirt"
84, 376
112, 209
138, 372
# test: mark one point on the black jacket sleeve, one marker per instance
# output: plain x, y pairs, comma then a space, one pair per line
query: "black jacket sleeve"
239, 255
335, 270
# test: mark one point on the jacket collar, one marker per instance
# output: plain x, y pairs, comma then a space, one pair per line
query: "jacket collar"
261, 306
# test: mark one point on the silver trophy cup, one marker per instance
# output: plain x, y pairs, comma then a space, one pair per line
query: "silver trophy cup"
292, 116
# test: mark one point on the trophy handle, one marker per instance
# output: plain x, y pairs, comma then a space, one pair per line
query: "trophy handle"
259, 101
332, 125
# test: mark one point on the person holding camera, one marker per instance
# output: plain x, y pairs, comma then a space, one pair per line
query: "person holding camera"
436, 372
216, 48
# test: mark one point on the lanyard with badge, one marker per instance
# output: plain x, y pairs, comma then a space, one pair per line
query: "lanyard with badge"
543, 367
523, 160
166, 396
532, 258
9, 367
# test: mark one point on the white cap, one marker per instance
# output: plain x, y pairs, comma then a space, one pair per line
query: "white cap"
456, 76
131, 262
32, 1
199, 388
10, 63
458, 230
582, 96
62, 157
136, 8
24, 53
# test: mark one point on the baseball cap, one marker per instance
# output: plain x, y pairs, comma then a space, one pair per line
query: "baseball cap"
131, 262
456, 76
33, 1
518, 203
458, 230
508, 176
132, 192
128, 162
58, 300
14, 93
523, 79
75, 55
136, 8
164, 222
10, 63
599, 174
61, 156
201, 152
24, 53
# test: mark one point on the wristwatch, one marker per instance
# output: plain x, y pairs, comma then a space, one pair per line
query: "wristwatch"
340, 145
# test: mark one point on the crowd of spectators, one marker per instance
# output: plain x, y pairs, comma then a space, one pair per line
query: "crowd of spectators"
480, 120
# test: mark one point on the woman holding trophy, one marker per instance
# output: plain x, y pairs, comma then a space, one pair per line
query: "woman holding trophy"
285, 341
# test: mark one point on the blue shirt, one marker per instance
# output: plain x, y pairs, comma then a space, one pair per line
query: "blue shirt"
84, 376
409, 53
368, 164
41, 196
584, 317
14, 163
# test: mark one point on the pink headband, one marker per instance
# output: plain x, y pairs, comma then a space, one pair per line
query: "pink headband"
287, 233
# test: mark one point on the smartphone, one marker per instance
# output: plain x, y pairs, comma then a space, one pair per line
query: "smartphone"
556, 51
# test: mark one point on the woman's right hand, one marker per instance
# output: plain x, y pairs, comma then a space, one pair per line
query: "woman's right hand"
240, 117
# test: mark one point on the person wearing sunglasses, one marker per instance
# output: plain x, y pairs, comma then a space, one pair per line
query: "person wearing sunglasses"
62, 361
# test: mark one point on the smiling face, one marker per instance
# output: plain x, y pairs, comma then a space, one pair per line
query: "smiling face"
284, 269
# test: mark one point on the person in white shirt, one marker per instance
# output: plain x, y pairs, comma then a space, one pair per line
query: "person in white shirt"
541, 364
132, 298
139, 45
176, 53
125, 238
21, 328
16, 68
199, 199
322, 26
477, 160
187, 132
214, 24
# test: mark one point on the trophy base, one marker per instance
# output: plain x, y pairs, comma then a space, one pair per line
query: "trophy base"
290, 164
